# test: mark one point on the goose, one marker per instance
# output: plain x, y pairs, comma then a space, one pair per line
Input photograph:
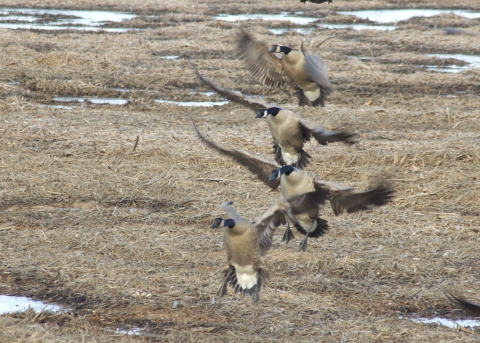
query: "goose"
464, 304
307, 73
289, 131
295, 181
246, 241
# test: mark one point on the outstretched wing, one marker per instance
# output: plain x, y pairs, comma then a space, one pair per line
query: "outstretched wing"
251, 102
344, 198
267, 223
323, 136
259, 166
317, 70
266, 67
277, 214
464, 304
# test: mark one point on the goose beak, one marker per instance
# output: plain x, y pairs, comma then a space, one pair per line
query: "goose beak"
260, 113
216, 223
275, 173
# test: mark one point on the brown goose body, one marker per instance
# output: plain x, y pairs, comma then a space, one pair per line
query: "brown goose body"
244, 273
293, 65
298, 183
287, 134
243, 253
242, 246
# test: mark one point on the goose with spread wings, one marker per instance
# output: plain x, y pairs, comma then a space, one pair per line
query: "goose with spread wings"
246, 241
294, 181
305, 72
289, 131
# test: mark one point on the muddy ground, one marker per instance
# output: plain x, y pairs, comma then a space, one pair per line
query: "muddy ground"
117, 235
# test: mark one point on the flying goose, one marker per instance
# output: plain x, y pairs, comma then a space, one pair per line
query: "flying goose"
342, 198
294, 181
464, 304
289, 131
307, 73
246, 241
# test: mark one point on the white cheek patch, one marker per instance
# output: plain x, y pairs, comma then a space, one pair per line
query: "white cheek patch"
265, 114
289, 158
312, 96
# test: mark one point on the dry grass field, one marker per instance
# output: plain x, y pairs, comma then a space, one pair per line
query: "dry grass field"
117, 235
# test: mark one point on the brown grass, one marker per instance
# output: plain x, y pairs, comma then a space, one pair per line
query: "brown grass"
116, 235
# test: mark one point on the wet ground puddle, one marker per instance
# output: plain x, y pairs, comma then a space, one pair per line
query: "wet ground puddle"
472, 60
46, 19
295, 19
451, 323
111, 101
282, 16
193, 103
358, 27
394, 16
375, 16
169, 57
12, 304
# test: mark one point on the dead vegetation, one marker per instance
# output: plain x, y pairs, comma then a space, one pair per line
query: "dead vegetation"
117, 234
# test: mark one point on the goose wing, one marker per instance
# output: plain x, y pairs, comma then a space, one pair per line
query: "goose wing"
266, 67
343, 198
231, 213
464, 304
317, 70
277, 214
257, 165
251, 102
323, 136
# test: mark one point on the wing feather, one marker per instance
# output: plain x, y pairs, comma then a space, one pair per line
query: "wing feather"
317, 70
343, 198
251, 102
264, 66
464, 304
323, 136
257, 165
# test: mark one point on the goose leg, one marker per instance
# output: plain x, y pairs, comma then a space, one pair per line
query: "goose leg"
303, 243
288, 235
302, 99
